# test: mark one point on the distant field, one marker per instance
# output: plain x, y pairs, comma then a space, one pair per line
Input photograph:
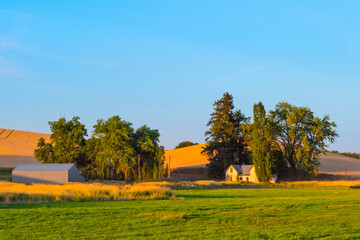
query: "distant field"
239, 213
18, 146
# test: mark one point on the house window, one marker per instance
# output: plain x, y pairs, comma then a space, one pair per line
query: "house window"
231, 170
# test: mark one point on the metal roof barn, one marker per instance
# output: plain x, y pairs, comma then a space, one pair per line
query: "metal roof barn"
46, 173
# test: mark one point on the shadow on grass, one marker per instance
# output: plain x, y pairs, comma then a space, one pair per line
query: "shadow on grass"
212, 193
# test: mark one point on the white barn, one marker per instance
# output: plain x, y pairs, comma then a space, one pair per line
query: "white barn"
46, 173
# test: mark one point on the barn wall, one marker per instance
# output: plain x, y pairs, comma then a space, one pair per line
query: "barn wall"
55, 177
75, 175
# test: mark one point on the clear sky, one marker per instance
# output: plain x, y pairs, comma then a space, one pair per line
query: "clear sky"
164, 63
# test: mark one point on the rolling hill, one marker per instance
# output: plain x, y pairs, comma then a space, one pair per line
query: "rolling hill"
18, 146
334, 164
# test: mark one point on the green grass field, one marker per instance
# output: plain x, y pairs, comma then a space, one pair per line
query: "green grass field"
241, 213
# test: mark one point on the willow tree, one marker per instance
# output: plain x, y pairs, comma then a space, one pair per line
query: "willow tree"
114, 147
260, 137
301, 136
225, 143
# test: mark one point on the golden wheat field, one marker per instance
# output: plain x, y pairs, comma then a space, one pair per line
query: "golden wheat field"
18, 192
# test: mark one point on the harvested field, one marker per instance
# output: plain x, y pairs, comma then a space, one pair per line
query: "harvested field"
18, 146
336, 164
188, 159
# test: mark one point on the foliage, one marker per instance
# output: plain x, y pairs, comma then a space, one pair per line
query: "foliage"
269, 213
152, 158
111, 152
6, 174
185, 144
115, 151
66, 145
225, 143
260, 137
301, 136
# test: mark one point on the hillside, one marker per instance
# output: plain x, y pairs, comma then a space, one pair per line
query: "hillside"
330, 163
186, 157
18, 146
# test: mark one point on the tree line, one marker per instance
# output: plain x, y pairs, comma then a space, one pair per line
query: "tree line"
347, 154
115, 150
286, 141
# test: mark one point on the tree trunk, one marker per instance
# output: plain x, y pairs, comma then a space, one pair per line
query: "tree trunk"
295, 171
125, 173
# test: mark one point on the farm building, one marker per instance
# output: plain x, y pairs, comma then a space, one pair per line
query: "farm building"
46, 173
237, 173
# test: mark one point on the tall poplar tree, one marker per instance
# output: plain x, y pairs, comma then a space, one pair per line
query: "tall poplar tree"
260, 138
225, 143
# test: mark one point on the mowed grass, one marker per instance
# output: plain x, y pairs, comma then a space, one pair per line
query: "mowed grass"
239, 213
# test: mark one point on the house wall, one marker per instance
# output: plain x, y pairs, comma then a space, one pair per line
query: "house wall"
253, 176
51, 177
232, 177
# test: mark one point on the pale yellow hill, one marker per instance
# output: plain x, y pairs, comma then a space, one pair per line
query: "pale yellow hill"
18, 146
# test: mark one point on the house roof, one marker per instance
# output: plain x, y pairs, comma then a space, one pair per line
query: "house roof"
237, 168
43, 167
241, 169
246, 168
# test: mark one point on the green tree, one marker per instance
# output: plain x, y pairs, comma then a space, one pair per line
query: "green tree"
114, 147
152, 158
185, 144
67, 142
260, 138
225, 143
301, 136
44, 152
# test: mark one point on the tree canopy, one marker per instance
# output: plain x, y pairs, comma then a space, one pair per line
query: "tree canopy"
114, 150
185, 144
225, 143
146, 144
110, 153
301, 136
260, 137
66, 145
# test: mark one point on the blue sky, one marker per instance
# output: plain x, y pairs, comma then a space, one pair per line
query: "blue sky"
164, 63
